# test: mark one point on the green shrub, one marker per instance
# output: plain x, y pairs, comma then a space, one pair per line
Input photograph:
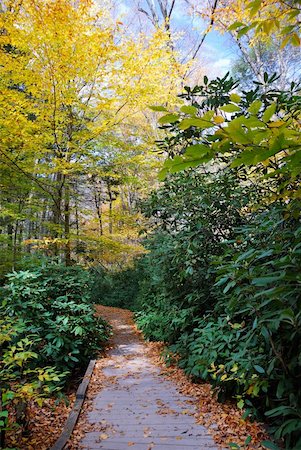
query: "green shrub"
21, 380
55, 301
193, 214
116, 288
260, 278
226, 294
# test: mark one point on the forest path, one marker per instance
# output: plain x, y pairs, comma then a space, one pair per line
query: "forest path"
137, 408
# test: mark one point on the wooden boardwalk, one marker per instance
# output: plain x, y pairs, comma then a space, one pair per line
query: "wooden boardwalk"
138, 408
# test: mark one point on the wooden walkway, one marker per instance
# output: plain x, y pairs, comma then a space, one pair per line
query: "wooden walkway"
138, 408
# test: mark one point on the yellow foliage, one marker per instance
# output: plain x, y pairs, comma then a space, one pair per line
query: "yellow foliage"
74, 89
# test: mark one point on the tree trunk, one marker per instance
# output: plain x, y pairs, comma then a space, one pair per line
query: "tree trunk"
57, 209
67, 225
110, 209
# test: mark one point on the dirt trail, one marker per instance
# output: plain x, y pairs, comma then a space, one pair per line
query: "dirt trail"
137, 407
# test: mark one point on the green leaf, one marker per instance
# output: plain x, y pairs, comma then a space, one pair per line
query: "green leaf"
263, 281
236, 25
197, 151
189, 109
235, 98
269, 112
233, 445
195, 122
255, 107
169, 118
248, 440
231, 284
280, 411
254, 7
240, 404
270, 445
230, 108
162, 174
244, 31
295, 40
259, 369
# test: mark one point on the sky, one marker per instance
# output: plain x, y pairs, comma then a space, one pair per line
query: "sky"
217, 52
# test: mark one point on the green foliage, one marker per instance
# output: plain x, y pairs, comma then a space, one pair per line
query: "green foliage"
195, 215
55, 304
261, 285
258, 129
115, 288
222, 279
21, 379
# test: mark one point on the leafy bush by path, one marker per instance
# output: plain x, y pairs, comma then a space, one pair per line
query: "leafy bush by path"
54, 300
21, 379
246, 338
115, 288
48, 330
194, 215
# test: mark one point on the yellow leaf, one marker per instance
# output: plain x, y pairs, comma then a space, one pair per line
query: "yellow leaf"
235, 98
218, 119
276, 124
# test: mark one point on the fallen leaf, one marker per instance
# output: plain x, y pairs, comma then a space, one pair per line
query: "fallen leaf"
104, 436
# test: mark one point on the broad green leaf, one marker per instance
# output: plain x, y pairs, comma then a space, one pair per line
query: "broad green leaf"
235, 98
295, 40
243, 31
259, 369
280, 411
263, 281
254, 7
276, 124
270, 445
189, 109
195, 122
208, 115
236, 25
255, 107
240, 404
230, 108
197, 150
269, 112
185, 164
268, 25
169, 118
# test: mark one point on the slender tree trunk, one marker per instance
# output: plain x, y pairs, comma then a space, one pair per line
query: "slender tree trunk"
57, 209
67, 224
110, 209
98, 205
